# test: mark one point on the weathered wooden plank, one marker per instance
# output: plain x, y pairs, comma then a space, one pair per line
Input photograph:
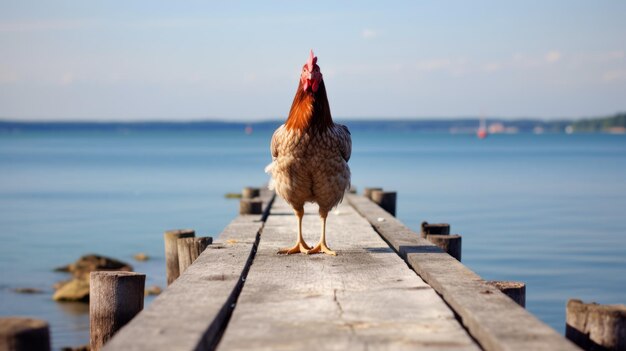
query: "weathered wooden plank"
493, 319
364, 298
191, 314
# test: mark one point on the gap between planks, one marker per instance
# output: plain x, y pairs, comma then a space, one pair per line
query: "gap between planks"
365, 298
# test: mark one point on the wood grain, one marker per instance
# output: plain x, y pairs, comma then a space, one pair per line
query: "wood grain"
170, 238
189, 249
192, 313
114, 299
491, 317
364, 298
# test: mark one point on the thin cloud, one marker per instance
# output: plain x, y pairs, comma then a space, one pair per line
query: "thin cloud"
369, 34
492, 67
47, 25
553, 56
66, 79
615, 75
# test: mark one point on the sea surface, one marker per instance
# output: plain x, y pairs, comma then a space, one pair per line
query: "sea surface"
547, 209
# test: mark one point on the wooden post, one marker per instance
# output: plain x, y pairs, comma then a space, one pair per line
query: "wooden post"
515, 290
435, 228
189, 249
24, 334
448, 243
386, 200
171, 251
250, 192
115, 297
596, 327
367, 192
251, 206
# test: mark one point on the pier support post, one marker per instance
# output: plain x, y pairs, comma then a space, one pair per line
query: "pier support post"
189, 249
250, 192
515, 290
114, 299
367, 192
448, 243
596, 327
250, 206
434, 228
24, 334
171, 251
386, 200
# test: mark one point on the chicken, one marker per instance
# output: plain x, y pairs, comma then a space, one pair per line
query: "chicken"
310, 156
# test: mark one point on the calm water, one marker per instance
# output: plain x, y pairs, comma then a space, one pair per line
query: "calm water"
544, 209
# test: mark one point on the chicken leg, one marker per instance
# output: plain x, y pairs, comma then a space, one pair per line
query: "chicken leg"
321, 246
301, 246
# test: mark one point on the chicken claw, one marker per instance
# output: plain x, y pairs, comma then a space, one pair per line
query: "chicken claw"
300, 247
321, 248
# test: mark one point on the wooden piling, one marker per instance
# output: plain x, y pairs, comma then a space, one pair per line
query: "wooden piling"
386, 200
250, 192
448, 243
189, 249
251, 206
515, 290
596, 327
115, 297
171, 251
367, 192
24, 334
434, 228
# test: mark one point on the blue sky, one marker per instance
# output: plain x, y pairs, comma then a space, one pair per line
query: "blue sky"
189, 60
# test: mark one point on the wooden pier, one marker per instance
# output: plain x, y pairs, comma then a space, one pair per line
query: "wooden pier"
387, 289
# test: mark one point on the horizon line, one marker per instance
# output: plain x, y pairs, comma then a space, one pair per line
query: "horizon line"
268, 120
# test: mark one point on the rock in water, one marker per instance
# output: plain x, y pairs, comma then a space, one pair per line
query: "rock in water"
141, 257
27, 291
74, 290
153, 290
89, 263
77, 289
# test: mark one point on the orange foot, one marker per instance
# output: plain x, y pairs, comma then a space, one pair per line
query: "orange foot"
300, 247
321, 247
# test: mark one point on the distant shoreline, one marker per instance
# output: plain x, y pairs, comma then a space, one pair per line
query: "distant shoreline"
611, 124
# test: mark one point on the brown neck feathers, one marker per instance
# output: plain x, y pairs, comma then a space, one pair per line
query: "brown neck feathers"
310, 111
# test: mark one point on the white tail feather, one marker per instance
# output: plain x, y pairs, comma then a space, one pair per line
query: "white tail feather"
268, 170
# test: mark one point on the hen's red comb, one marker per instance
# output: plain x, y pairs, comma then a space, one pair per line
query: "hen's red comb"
311, 62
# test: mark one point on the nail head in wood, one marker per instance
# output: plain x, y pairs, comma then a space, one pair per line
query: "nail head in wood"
170, 237
24, 334
250, 206
386, 200
434, 228
189, 249
250, 192
596, 327
515, 290
448, 243
115, 297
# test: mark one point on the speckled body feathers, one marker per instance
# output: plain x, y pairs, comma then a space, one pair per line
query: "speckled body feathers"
311, 165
